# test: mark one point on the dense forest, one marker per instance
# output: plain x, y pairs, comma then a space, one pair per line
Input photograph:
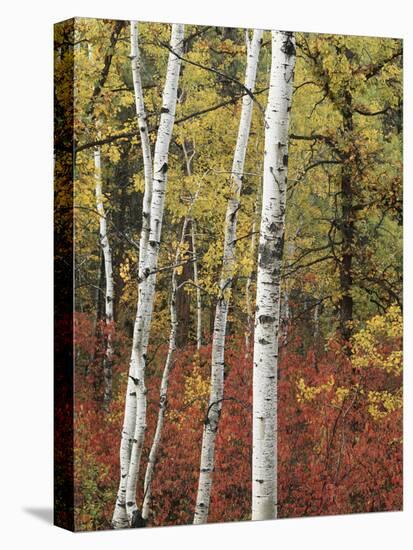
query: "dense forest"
237, 221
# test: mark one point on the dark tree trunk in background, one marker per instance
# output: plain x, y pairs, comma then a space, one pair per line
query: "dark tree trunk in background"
347, 230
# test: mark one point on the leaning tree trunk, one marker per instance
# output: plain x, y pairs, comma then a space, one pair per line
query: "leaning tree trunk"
120, 518
164, 382
267, 317
107, 256
228, 268
148, 275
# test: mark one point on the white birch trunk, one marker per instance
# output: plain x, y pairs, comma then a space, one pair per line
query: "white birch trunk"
228, 267
198, 289
146, 146
264, 459
107, 255
147, 289
120, 518
164, 382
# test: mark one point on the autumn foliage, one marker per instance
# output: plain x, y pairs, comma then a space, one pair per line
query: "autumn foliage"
339, 429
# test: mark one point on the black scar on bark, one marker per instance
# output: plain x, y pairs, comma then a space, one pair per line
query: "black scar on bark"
164, 110
142, 129
279, 247
288, 47
164, 168
263, 341
137, 520
263, 319
285, 160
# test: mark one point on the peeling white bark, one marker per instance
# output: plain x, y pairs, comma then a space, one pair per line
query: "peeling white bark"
264, 459
109, 294
148, 275
228, 267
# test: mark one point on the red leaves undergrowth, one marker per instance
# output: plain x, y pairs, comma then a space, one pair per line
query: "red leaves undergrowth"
334, 457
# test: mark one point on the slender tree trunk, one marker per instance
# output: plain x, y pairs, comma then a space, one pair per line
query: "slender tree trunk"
107, 255
120, 517
183, 301
221, 313
165, 378
316, 333
148, 270
264, 459
347, 224
285, 319
198, 289
146, 146
248, 302
99, 306
188, 162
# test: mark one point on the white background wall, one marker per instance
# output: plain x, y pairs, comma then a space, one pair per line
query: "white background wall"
26, 272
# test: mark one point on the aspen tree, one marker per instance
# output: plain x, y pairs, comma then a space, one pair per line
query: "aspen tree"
107, 256
271, 240
148, 275
228, 268
120, 519
188, 162
165, 378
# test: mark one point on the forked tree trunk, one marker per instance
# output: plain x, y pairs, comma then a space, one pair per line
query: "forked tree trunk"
148, 275
107, 256
164, 382
120, 518
264, 455
228, 268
